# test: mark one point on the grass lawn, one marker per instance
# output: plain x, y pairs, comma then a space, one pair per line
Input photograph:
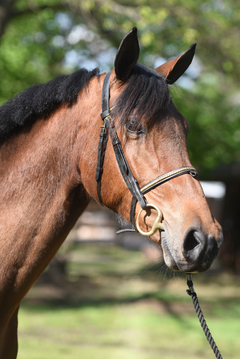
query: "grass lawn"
115, 304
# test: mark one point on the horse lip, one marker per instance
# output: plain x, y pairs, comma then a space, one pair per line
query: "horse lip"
197, 267
220, 239
167, 255
201, 264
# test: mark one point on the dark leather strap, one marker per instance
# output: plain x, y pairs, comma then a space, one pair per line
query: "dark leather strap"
167, 176
106, 96
102, 144
157, 182
103, 134
125, 170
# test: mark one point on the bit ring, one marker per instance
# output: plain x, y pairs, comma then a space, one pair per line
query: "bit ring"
156, 225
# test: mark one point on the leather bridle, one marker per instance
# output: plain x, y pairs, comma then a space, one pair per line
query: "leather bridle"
131, 182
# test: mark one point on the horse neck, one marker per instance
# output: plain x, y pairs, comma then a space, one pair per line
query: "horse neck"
40, 174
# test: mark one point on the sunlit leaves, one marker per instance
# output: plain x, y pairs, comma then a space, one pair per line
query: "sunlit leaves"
214, 122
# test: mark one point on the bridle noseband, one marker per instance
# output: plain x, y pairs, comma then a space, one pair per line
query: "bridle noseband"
131, 182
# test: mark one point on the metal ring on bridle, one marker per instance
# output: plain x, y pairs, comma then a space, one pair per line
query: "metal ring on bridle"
156, 225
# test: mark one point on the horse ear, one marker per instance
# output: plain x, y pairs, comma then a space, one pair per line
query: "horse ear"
127, 55
174, 68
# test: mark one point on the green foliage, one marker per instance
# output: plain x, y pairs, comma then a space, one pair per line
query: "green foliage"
214, 134
27, 54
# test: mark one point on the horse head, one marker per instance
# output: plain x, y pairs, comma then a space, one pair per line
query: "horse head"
149, 139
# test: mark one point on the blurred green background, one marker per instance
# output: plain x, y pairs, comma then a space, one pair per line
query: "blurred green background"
117, 303
106, 299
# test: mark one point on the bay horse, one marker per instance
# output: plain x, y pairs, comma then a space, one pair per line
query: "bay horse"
53, 163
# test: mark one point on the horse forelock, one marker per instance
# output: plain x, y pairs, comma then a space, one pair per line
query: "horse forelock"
145, 97
40, 101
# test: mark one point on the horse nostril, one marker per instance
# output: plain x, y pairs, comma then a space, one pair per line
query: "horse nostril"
193, 244
191, 241
199, 250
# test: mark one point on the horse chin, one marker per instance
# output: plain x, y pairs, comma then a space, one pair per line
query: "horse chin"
182, 265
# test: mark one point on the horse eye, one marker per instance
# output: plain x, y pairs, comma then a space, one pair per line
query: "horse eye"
135, 127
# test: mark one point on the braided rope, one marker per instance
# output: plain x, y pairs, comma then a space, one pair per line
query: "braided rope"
200, 315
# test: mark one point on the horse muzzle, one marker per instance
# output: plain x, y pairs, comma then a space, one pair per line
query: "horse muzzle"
195, 254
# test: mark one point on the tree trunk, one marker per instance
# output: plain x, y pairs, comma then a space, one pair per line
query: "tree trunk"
230, 250
5, 14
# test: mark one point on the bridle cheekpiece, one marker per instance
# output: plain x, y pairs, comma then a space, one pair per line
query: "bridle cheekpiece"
131, 182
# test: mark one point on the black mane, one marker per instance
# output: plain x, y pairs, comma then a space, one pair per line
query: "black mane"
41, 100
145, 97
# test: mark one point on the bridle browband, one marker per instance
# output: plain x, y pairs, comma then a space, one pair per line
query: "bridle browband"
130, 180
